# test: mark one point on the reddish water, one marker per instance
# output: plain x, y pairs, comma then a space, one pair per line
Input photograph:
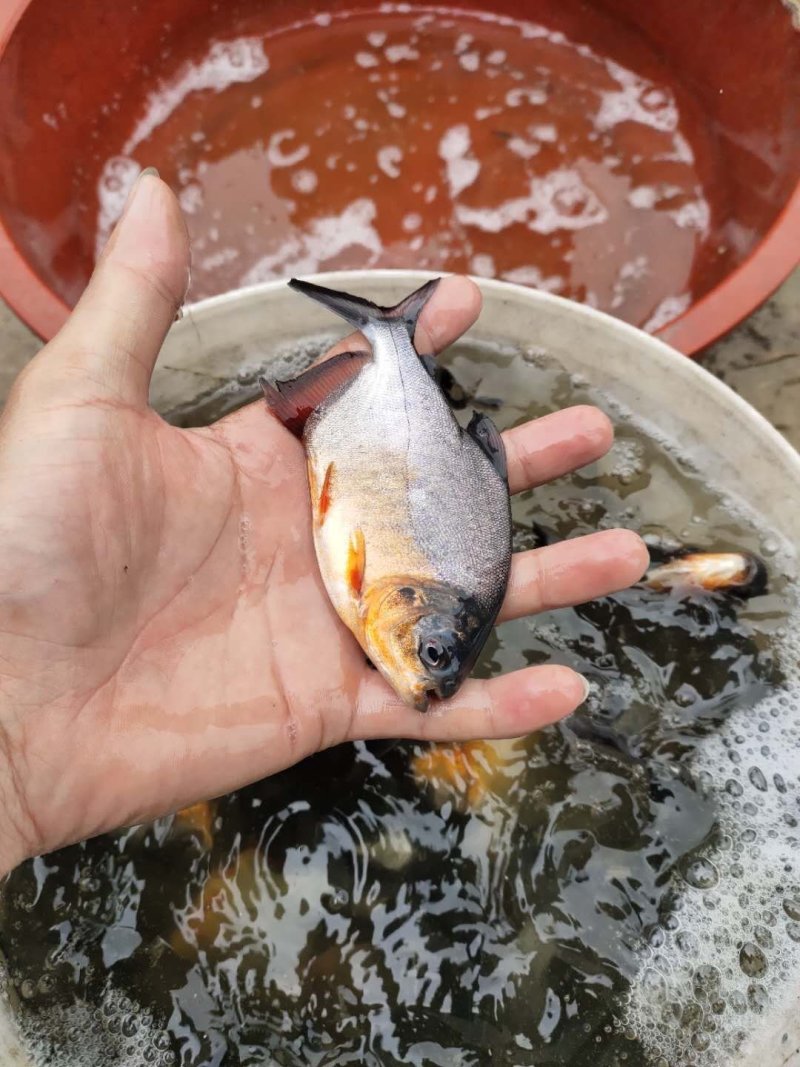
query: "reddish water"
438, 140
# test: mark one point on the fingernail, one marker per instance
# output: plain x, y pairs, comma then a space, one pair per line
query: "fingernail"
148, 172
143, 231
587, 688
137, 204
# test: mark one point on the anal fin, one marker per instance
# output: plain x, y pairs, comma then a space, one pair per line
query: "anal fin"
293, 401
489, 439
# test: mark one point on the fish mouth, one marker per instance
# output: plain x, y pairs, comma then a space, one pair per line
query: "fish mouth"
419, 692
419, 696
422, 701
440, 691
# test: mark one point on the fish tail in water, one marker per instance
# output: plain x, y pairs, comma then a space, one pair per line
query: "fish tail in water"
365, 315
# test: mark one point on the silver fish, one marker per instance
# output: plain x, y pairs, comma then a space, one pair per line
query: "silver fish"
411, 513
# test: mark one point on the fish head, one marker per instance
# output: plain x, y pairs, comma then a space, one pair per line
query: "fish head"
424, 637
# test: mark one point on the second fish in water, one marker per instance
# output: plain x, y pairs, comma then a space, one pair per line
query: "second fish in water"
411, 514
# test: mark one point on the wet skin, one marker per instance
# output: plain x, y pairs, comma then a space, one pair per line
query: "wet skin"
164, 632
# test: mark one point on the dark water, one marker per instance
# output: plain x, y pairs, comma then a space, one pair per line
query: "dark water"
433, 905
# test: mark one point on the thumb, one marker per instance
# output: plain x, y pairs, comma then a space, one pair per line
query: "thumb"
113, 336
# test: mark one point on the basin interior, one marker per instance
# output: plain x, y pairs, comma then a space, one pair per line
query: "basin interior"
610, 151
305, 874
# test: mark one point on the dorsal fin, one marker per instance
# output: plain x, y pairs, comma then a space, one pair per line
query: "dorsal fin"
293, 401
486, 435
363, 313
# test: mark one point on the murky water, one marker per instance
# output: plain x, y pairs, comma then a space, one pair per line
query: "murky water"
617, 891
562, 154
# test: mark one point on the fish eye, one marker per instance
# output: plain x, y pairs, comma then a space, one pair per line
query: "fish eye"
433, 654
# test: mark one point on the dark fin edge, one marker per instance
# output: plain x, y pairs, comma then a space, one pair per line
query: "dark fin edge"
359, 312
431, 365
489, 439
292, 402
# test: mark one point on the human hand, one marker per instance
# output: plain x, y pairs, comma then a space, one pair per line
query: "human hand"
164, 632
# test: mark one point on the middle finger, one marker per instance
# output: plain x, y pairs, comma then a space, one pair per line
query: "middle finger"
572, 572
547, 448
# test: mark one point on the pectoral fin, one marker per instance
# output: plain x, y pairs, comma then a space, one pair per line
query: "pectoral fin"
356, 561
292, 402
486, 435
326, 494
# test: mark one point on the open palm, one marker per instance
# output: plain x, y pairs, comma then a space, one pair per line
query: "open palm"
164, 632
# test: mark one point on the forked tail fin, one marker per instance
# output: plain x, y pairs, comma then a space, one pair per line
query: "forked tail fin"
363, 314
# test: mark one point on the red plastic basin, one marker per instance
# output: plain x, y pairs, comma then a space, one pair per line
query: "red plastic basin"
641, 157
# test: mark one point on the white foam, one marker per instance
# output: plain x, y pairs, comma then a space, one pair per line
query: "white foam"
304, 180
631, 270
643, 196
544, 131
397, 111
114, 1031
191, 198
483, 265
454, 149
669, 308
326, 239
218, 258
530, 31
115, 183
751, 768
525, 95
226, 63
636, 100
389, 159
469, 61
559, 200
367, 59
396, 53
522, 148
276, 155
681, 150
533, 276
734, 936
693, 215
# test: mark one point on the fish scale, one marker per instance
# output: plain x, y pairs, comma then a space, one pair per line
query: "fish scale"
412, 525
